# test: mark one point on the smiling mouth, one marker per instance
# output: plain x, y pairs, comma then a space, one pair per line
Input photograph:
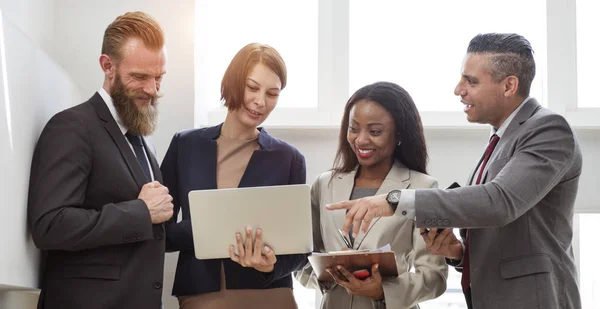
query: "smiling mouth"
364, 153
253, 112
467, 106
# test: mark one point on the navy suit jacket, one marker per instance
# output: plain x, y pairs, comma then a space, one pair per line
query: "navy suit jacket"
191, 164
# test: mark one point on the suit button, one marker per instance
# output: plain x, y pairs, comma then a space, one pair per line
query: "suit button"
157, 285
404, 212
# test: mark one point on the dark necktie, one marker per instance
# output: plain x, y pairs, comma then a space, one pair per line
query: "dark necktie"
466, 273
138, 148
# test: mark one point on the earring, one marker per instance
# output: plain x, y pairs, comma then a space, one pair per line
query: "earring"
399, 142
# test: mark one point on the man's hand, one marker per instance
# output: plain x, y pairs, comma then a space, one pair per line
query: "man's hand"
370, 287
362, 211
257, 256
445, 243
158, 201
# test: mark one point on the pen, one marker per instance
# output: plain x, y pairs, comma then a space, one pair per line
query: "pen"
344, 239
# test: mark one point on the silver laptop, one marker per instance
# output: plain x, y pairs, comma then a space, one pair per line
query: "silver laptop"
282, 212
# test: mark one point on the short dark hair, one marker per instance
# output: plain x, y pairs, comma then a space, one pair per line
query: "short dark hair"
511, 54
412, 152
233, 83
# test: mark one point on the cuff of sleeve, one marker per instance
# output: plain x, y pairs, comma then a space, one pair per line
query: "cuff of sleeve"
139, 227
406, 204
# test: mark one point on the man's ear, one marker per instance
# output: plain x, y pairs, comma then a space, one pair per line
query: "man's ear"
107, 65
511, 86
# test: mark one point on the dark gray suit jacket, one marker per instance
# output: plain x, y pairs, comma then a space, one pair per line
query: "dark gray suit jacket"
520, 218
100, 249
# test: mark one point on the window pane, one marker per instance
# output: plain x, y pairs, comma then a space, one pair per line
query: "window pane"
589, 273
223, 27
588, 49
420, 44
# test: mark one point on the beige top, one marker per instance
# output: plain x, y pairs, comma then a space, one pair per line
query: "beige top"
233, 156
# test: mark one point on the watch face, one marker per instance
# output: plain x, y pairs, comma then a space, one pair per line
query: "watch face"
394, 197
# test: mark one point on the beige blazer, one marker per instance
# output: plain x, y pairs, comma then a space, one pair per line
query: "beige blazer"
427, 280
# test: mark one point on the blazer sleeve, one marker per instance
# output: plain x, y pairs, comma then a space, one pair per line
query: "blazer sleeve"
543, 154
286, 264
57, 212
428, 280
178, 234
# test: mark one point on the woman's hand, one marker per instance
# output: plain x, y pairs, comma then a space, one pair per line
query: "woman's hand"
370, 287
257, 256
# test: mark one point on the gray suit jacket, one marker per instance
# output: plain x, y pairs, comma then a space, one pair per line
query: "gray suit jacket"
426, 281
521, 216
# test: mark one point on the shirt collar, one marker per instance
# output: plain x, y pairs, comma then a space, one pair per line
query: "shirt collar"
500, 131
111, 107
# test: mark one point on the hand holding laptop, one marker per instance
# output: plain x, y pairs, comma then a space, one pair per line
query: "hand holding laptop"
255, 255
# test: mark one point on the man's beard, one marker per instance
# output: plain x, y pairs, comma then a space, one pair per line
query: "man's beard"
140, 120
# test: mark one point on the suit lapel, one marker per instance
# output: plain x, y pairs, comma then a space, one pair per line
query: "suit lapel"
397, 178
203, 159
528, 110
110, 125
341, 188
263, 160
267, 158
472, 176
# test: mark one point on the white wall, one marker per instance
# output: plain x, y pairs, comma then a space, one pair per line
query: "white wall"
32, 88
35, 18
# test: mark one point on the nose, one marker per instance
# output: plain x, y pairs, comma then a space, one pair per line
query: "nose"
259, 99
362, 139
151, 87
459, 90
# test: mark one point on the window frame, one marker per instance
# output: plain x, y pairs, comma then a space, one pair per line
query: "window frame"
333, 70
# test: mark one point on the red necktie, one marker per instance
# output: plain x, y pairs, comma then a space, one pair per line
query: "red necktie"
466, 273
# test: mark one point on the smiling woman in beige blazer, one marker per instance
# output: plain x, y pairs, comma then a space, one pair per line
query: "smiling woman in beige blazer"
381, 148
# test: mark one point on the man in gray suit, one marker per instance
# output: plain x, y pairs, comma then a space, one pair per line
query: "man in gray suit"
96, 206
517, 214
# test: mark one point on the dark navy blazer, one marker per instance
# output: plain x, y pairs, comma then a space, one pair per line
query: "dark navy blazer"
191, 164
